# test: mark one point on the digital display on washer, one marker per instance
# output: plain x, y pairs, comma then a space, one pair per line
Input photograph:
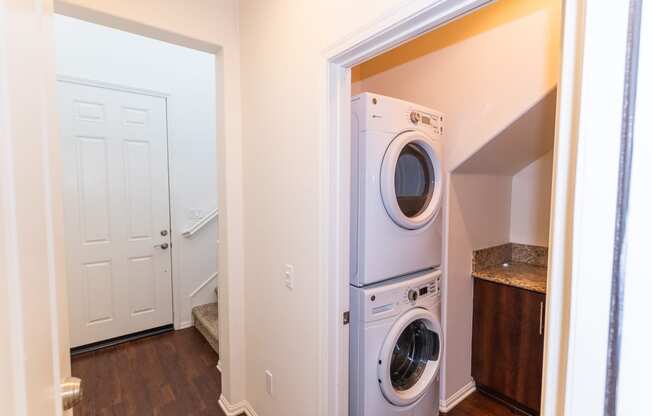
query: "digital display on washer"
423, 291
425, 120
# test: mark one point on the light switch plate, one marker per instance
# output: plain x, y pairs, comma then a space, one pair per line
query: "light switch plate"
289, 276
269, 382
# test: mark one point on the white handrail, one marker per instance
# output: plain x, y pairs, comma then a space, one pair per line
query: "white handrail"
200, 224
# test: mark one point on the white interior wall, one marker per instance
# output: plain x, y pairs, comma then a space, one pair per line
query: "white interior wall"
531, 190
90, 51
482, 84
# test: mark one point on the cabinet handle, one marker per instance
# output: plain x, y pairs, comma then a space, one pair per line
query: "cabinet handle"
540, 318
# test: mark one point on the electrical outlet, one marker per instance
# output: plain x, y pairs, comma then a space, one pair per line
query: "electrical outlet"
268, 382
289, 276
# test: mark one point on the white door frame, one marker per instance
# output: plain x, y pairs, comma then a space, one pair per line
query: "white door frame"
408, 22
229, 166
401, 25
34, 355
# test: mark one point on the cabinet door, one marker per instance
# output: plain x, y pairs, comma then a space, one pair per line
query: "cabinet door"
508, 342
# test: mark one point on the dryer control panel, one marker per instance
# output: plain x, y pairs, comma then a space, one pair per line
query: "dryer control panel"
427, 121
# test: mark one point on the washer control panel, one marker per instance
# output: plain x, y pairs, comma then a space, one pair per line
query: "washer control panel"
384, 300
427, 121
412, 294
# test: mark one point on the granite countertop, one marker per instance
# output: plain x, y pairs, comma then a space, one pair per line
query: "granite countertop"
518, 265
521, 275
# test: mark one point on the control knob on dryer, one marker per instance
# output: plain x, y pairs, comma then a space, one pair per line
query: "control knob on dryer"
413, 295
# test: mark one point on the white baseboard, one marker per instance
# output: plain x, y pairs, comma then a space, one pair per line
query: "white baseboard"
242, 407
446, 405
184, 325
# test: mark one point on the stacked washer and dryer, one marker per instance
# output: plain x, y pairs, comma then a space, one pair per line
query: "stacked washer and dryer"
396, 251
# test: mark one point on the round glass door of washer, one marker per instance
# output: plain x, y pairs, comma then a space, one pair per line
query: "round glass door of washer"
410, 357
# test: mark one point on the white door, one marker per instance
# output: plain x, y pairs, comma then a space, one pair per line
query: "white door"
117, 218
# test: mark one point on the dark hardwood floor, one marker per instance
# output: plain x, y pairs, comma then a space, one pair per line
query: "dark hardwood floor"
174, 374
171, 374
477, 404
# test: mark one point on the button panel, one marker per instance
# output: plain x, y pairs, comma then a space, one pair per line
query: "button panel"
432, 122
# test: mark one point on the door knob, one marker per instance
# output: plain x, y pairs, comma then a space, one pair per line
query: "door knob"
163, 246
71, 392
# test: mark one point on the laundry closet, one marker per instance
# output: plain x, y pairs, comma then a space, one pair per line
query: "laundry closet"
489, 81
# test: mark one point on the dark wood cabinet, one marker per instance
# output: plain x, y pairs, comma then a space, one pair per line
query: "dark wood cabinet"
507, 359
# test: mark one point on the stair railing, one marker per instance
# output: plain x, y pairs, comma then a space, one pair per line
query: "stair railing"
192, 230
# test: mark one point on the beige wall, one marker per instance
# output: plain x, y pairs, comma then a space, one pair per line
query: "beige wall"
478, 216
530, 211
484, 71
284, 99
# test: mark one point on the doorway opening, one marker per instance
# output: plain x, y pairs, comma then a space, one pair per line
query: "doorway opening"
493, 73
138, 128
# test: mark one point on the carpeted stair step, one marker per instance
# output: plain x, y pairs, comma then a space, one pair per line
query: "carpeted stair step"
205, 317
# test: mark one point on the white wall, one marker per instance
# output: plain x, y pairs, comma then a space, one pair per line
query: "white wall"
530, 217
90, 51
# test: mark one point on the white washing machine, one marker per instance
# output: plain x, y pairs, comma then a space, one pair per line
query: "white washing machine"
395, 347
396, 189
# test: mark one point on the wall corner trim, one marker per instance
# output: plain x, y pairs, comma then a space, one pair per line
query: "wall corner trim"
446, 405
237, 409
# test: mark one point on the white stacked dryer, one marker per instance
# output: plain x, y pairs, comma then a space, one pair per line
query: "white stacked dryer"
396, 251
396, 188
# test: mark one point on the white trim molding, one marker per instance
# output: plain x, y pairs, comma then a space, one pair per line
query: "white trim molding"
184, 325
110, 86
446, 405
237, 409
401, 24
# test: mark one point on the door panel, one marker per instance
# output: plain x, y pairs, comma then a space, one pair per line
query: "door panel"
98, 281
116, 200
93, 189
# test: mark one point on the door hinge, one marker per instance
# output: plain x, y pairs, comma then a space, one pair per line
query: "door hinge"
346, 317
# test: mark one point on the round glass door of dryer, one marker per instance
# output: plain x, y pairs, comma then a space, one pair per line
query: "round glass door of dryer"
411, 180
414, 180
